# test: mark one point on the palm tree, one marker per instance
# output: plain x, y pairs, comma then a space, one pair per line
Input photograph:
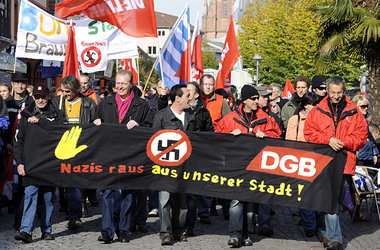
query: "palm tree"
354, 25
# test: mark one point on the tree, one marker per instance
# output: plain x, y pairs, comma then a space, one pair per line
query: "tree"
353, 26
285, 34
209, 58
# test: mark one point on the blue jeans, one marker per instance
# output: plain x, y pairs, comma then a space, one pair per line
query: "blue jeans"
204, 204
153, 200
333, 231
238, 225
309, 220
193, 201
74, 202
108, 200
30, 208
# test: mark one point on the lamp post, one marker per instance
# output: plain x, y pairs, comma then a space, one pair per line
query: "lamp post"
258, 58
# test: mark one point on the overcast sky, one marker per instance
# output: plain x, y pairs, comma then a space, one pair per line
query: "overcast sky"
175, 7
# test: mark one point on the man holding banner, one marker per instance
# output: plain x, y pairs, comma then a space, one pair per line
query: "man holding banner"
249, 119
337, 122
124, 107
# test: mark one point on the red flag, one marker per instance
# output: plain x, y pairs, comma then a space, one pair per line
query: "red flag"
228, 59
288, 90
134, 17
196, 53
71, 64
130, 64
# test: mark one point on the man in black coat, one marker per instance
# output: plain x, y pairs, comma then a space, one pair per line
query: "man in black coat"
123, 107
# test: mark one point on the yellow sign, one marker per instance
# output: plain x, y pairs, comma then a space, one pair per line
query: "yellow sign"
67, 146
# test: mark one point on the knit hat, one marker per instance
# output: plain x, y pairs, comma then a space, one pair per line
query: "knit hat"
317, 81
247, 92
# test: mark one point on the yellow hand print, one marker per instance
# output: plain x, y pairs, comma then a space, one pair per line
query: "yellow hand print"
67, 146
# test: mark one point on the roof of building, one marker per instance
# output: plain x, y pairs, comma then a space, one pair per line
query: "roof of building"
164, 20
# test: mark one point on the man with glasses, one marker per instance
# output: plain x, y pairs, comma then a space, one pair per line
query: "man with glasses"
77, 109
337, 122
301, 84
249, 119
318, 86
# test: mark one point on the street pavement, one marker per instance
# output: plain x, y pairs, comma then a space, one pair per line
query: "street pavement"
287, 234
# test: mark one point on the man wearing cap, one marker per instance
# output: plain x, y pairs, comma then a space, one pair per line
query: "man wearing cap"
318, 86
264, 96
15, 104
249, 119
41, 111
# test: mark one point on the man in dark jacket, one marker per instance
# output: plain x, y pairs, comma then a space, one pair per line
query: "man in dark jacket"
123, 107
204, 123
77, 109
172, 207
41, 111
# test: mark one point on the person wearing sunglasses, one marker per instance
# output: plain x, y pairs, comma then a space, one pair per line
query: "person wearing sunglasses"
248, 119
318, 86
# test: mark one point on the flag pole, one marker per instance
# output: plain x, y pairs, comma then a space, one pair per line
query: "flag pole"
117, 65
151, 71
159, 58
14, 67
138, 69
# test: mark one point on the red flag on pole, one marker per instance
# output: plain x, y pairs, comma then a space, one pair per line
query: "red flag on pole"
196, 53
288, 90
130, 64
228, 59
71, 64
134, 17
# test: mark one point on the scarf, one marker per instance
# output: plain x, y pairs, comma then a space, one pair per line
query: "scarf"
123, 106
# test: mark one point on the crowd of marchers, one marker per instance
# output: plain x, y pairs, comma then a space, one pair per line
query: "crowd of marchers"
318, 112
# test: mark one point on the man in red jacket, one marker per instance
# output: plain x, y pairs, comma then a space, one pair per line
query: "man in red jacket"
337, 122
249, 119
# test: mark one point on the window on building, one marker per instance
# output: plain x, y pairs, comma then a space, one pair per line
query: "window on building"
225, 8
152, 50
161, 33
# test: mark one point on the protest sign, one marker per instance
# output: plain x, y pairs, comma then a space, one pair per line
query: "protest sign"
243, 167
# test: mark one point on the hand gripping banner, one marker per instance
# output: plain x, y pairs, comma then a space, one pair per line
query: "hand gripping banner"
243, 167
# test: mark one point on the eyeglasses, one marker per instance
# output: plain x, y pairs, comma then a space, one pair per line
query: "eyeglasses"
364, 106
254, 98
66, 91
321, 88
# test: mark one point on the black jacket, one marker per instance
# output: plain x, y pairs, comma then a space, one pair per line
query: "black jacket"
138, 110
165, 119
51, 115
87, 109
202, 116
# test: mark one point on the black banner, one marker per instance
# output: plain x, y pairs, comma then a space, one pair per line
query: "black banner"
240, 167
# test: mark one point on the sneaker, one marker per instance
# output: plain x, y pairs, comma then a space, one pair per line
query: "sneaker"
234, 241
47, 236
24, 236
74, 224
153, 213
247, 242
335, 246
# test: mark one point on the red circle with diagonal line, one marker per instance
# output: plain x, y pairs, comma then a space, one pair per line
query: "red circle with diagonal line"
169, 147
91, 56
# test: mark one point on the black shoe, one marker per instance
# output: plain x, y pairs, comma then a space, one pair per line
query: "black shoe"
266, 231
24, 236
183, 238
94, 203
246, 242
167, 241
74, 224
205, 220
47, 236
143, 229
234, 242
309, 233
123, 237
105, 237
189, 232
213, 212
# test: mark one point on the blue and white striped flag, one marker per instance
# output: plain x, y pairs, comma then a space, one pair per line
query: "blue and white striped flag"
176, 53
